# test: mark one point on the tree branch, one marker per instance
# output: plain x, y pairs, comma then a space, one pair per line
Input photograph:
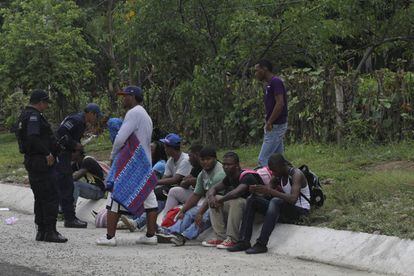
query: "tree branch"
213, 43
370, 49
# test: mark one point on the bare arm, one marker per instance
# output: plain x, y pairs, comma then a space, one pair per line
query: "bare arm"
191, 202
277, 110
167, 181
203, 207
295, 192
188, 181
79, 174
237, 192
215, 189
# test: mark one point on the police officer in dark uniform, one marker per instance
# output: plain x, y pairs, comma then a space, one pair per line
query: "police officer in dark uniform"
69, 135
37, 142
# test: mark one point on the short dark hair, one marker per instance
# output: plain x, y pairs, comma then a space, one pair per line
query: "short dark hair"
34, 101
232, 155
264, 63
159, 153
278, 160
38, 95
139, 98
208, 151
174, 147
195, 148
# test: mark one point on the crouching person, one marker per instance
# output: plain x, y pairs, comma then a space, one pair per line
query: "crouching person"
226, 211
286, 201
194, 218
88, 168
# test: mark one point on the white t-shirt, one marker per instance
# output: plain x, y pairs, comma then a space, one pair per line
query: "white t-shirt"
136, 121
181, 167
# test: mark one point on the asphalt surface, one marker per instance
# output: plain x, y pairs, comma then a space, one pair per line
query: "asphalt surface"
20, 254
7, 269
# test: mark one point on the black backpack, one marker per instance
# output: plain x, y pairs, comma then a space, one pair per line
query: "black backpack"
317, 197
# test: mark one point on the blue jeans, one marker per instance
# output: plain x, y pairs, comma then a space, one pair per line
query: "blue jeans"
274, 209
187, 226
142, 220
272, 143
86, 190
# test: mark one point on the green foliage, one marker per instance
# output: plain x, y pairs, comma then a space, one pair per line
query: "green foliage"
11, 161
194, 59
13, 104
41, 47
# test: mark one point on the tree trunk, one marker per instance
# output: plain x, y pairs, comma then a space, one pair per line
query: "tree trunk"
113, 86
339, 101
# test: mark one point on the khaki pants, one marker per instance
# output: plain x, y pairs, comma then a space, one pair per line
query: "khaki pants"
230, 215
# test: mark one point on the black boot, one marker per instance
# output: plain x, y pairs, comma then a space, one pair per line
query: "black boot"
240, 246
257, 249
75, 223
40, 235
54, 236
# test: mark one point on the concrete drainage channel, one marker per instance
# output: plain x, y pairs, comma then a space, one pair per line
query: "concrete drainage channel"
376, 253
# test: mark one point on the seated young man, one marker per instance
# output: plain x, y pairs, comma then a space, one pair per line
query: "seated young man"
159, 158
180, 194
194, 218
231, 205
178, 166
88, 168
286, 206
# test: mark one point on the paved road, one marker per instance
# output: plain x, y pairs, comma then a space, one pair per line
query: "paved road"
7, 269
80, 256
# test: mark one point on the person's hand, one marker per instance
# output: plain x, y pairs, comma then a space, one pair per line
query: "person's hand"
262, 190
252, 189
50, 160
180, 215
78, 147
268, 126
198, 220
212, 202
186, 182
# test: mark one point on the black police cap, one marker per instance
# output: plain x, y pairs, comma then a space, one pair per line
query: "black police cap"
39, 95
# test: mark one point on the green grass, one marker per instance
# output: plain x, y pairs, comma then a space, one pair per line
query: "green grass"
11, 161
364, 195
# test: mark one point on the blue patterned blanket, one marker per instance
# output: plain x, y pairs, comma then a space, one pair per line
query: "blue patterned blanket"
131, 178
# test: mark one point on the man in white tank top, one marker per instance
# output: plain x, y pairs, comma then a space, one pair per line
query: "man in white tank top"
285, 201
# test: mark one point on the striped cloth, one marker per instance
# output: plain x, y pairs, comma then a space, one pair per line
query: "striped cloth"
131, 178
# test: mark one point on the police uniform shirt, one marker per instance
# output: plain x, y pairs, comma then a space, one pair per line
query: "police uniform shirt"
73, 127
39, 136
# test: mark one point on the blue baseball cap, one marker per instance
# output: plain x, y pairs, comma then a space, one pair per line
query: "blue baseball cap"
93, 107
172, 139
131, 90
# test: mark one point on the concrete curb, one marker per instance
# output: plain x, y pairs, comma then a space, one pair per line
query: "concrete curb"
377, 253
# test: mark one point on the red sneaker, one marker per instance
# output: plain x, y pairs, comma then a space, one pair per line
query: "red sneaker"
226, 244
211, 243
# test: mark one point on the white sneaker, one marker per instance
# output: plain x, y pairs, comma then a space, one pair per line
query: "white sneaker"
129, 223
145, 240
104, 241
121, 225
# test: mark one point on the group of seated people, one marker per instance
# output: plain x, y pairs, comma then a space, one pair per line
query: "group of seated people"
196, 191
